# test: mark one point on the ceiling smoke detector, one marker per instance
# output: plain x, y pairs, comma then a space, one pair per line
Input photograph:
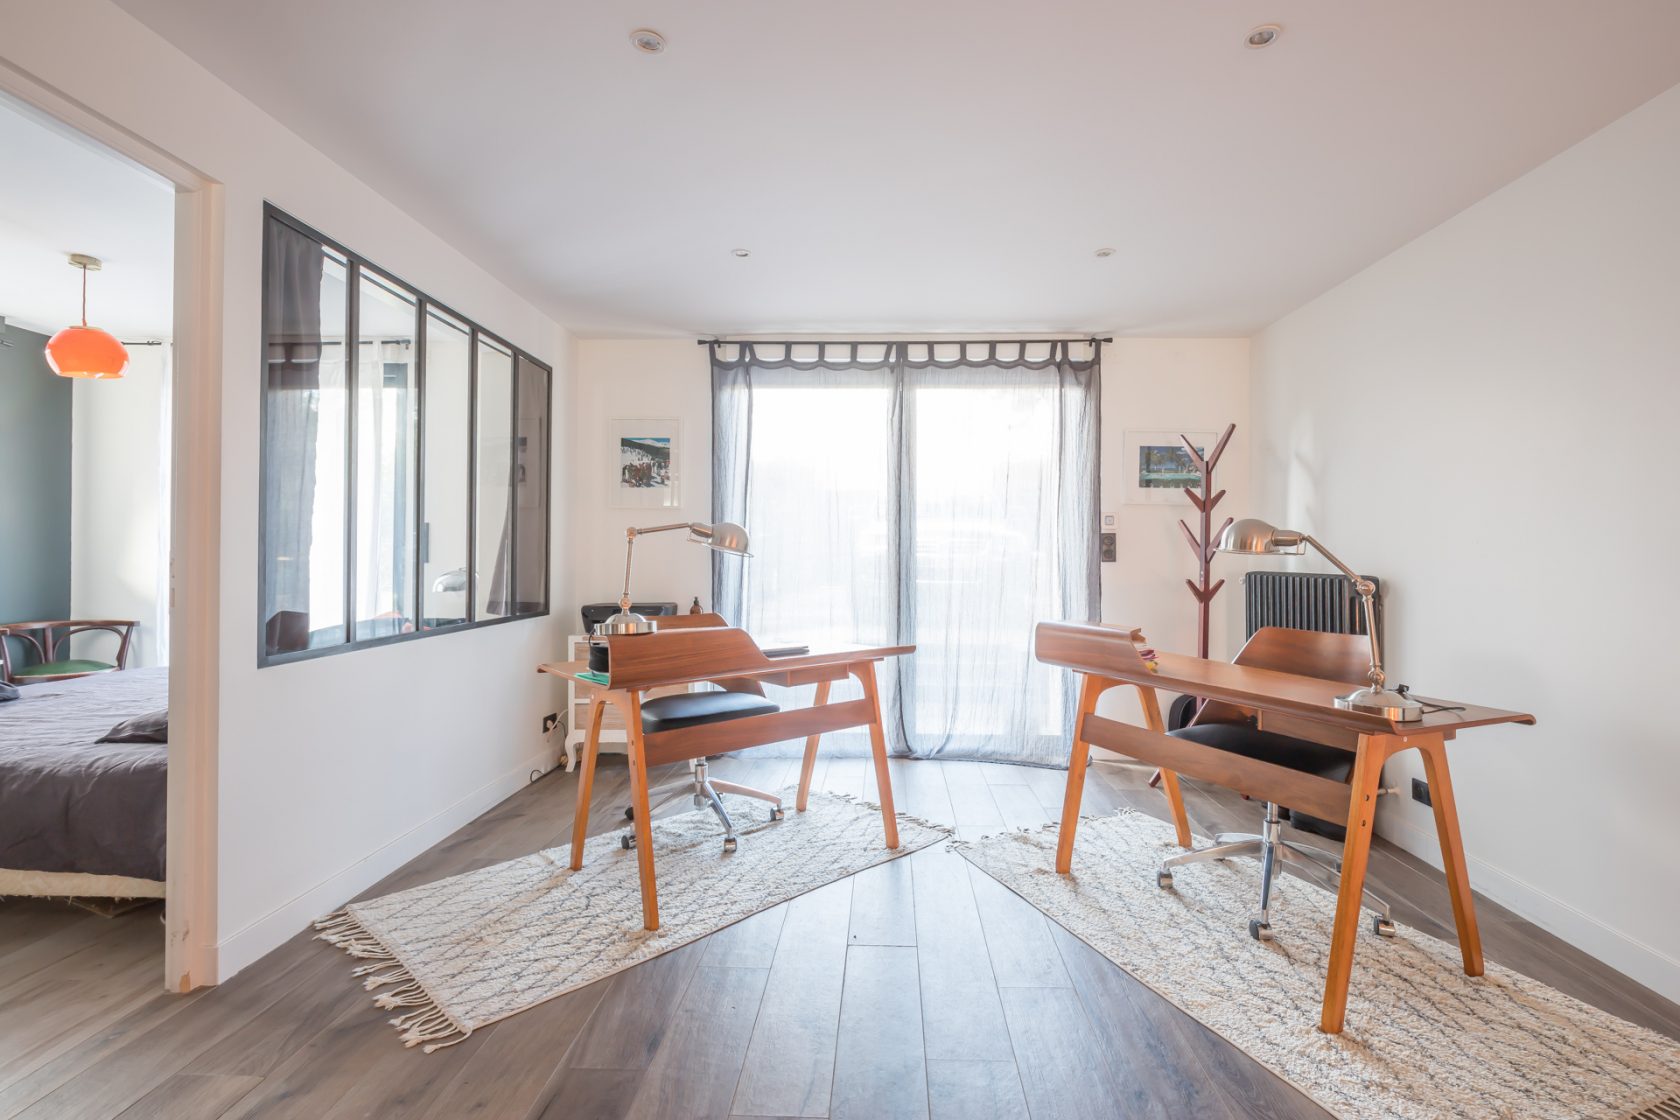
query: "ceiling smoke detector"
647, 40
1263, 36
741, 252
1105, 252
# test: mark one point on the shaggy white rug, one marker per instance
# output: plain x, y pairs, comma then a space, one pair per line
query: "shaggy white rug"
1422, 1040
464, 952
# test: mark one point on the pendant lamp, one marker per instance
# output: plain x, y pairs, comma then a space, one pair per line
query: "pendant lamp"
86, 351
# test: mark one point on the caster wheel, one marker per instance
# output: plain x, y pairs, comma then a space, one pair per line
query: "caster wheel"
627, 841
776, 813
1260, 931
728, 844
1164, 880
1382, 926
629, 812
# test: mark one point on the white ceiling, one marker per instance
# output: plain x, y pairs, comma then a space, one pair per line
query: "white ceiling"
931, 165
63, 194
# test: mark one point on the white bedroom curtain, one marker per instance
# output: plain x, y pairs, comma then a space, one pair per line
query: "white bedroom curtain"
941, 494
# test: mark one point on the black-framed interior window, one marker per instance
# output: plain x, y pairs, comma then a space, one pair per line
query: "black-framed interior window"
405, 454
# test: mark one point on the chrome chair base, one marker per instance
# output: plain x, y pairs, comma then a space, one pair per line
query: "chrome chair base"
1316, 865
706, 794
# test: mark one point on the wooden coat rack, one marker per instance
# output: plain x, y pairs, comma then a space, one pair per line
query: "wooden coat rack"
1207, 543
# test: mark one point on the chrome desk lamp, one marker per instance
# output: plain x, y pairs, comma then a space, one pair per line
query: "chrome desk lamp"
1253, 537
725, 536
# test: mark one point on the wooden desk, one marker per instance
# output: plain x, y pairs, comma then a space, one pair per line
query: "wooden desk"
1106, 657
700, 649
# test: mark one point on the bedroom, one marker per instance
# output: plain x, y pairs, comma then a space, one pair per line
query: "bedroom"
84, 605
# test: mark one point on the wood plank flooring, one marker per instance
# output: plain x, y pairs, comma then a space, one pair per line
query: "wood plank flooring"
917, 989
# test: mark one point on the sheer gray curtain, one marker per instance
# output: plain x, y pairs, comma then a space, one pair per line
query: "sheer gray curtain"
291, 419
943, 494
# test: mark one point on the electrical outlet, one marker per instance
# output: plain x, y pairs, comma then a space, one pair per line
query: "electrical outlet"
550, 722
1420, 791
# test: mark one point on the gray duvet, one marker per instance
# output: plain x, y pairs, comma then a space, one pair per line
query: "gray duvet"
68, 803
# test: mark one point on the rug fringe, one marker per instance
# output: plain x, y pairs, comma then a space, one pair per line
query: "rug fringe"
428, 1025
1024, 832
1668, 1109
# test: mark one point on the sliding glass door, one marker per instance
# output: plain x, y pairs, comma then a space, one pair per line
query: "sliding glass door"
895, 497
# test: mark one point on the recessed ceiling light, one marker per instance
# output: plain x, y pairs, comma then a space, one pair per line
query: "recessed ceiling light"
1263, 36
647, 41
1105, 252
742, 252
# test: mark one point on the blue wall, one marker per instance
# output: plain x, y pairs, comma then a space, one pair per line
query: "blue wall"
34, 482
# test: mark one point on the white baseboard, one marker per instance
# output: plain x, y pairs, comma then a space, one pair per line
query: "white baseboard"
1628, 955
273, 929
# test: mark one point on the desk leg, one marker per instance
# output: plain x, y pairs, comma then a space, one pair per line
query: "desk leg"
1452, 854
1169, 780
865, 673
637, 753
1367, 778
1075, 793
586, 780
810, 763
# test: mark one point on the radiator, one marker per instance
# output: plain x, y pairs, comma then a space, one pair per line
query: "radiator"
1305, 601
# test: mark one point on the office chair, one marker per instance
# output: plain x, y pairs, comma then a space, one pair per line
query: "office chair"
1311, 748
740, 699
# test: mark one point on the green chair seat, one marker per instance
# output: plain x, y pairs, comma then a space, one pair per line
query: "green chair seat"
64, 668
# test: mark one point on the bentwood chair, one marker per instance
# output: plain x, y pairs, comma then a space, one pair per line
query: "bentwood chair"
46, 640
1298, 744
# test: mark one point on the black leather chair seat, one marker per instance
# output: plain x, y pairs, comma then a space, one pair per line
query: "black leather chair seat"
1280, 750
667, 713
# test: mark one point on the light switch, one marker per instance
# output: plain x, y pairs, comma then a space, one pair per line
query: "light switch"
1108, 521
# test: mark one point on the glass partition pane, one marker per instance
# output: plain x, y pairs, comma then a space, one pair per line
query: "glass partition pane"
493, 509
447, 468
305, 439
387, 406
531, 490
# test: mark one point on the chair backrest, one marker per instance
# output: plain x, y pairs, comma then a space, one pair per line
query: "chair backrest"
687, 621
1307, 653
47, 639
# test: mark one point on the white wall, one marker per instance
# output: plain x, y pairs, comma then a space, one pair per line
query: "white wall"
1189, 384
640, 379
330, 772
1486, 420
119, 545
1175, 385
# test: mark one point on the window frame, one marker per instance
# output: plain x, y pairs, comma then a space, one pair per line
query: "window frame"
355, 266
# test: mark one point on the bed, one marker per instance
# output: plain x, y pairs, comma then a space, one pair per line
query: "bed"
79, 817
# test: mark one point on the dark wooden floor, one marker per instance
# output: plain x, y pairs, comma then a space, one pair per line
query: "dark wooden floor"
919, 988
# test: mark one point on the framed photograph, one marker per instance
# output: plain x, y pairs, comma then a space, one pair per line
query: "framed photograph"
1158, 467
644, 463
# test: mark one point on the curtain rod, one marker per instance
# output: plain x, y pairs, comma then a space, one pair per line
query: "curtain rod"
893, 341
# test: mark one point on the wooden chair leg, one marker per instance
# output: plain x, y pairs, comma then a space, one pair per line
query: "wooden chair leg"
1169, 780
586, 781
643, 811
1452, 856
810, 764
865, 673
1075, 792
1367, 778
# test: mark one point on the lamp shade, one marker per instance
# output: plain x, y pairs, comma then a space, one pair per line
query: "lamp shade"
86, 352
1251, 536
725, 536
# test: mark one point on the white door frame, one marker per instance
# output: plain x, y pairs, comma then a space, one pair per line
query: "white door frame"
195, 533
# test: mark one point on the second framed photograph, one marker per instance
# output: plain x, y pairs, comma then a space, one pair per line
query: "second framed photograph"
644, 463
1158, 467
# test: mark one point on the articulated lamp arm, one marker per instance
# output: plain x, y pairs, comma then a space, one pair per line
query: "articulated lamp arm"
1367, 593
630, 536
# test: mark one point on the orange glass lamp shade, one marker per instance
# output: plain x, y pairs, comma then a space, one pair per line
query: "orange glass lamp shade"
86, 352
